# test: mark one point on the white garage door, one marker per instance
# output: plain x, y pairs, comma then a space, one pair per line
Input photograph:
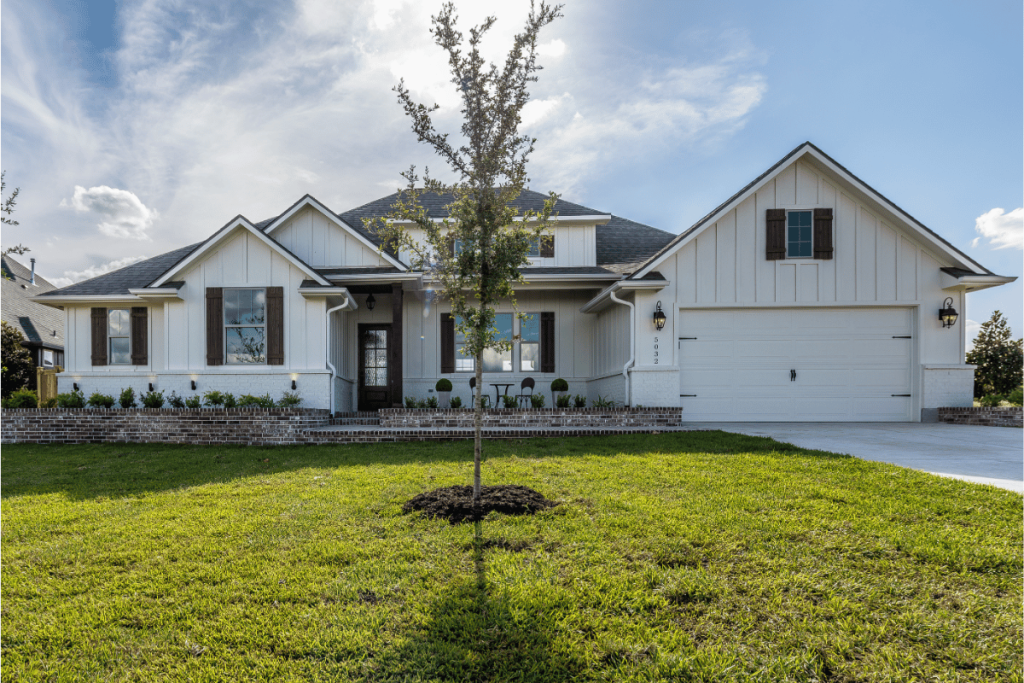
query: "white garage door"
795, 365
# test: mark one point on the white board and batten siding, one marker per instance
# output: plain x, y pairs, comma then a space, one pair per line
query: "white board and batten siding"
321, 243
575, 246
838, 317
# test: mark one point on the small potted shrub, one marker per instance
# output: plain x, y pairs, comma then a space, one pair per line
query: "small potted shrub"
175, 401
410, 402
23, 398
127, 398
432, 402
580, 401
75, 399
290, 399
98, 400
153, 399
537, 401
455, 403
229, 401
250, 401
559, 388
444, 392
510, 402
563, 401
193, 403
213, 399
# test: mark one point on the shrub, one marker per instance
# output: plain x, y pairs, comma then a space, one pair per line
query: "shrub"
990, 401
421, 404
537, 401
455, 403
432, 402
580, 401
250, 401
602, 402
443, 385
289, 399
23, 398
510, 402
193, 403
410, 402
75, 399
127, 398
18, 368
563, 401
1000, 359
229, 401
214, 399
153, 399
98, 400
559, 385
1016, 396
49, 403
175, 401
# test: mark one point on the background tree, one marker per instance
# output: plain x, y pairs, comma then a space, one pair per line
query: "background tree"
18, 368
1000, 358
7, 207
473, 257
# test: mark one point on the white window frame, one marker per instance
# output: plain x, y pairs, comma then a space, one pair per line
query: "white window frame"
516, 357
523, 342
809, 210
49, 356
227, 326
112, 337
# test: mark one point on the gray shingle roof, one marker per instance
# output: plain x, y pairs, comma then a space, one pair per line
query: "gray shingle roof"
568, 270
130, 277
40, 324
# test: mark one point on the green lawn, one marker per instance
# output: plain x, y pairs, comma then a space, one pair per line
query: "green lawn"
691, 556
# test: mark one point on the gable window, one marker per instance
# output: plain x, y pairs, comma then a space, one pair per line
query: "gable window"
119, 336
245, 326
529, 347
799, 225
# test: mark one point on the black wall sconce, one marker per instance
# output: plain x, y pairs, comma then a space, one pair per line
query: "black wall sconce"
75, 385
293, 385
659, 317
151, 386
948, 314
370, 302
193, 385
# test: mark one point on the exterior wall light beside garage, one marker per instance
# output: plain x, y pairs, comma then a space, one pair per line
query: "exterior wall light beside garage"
659, 317
948, 314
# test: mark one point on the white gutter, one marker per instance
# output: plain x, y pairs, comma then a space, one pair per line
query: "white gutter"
632, 346
330, 366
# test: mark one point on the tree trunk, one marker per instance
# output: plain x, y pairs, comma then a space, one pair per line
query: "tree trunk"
478, 420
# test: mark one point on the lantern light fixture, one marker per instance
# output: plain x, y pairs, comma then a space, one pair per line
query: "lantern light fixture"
293, 385
948, 314
193, 385
370, 302
659, 317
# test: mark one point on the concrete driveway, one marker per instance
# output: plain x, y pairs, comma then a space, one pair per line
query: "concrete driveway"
985, 455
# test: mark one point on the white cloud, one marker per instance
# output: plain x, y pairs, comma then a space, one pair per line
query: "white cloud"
121, 213
552, 48
972, 332
73, 276
1003, 230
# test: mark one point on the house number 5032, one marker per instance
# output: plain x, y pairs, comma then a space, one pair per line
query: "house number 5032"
655, 350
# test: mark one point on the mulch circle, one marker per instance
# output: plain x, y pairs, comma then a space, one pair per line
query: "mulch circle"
455, 503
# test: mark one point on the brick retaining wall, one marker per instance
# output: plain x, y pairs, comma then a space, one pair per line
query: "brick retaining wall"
986, 417
246, 426
543, 418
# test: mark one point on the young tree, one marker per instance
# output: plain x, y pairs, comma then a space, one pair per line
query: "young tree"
473, 257
18, 368
1000, 358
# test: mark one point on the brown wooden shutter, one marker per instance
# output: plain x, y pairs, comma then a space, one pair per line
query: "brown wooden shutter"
547, 342
99, 336
447, 343
275, 325
823, 233
776, 234
547, 246
214, 326
451, 246
140, 335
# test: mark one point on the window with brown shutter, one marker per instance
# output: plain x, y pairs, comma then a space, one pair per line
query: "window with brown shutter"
447, 343
547, 246
275, 325
99, 336
776, 234
214, 326
823, 234
547, 342
140, 335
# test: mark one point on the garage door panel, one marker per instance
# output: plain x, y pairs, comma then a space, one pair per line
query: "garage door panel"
847, 363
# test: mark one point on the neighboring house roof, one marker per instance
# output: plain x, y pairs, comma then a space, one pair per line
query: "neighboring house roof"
40, 324
805, 148
134, 276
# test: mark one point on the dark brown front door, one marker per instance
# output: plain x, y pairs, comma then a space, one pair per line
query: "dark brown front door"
374, 370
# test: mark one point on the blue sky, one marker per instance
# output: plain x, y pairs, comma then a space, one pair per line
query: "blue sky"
135, 128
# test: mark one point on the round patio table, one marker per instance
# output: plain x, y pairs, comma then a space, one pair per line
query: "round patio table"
497, 394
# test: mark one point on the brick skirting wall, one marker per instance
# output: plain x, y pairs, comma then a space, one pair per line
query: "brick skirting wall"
543, 418
986, 417
206, 426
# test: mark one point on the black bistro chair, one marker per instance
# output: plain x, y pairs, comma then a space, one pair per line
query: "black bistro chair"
528, 383
484, 398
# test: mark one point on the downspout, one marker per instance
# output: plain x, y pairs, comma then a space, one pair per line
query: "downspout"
330, 366
632, 345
